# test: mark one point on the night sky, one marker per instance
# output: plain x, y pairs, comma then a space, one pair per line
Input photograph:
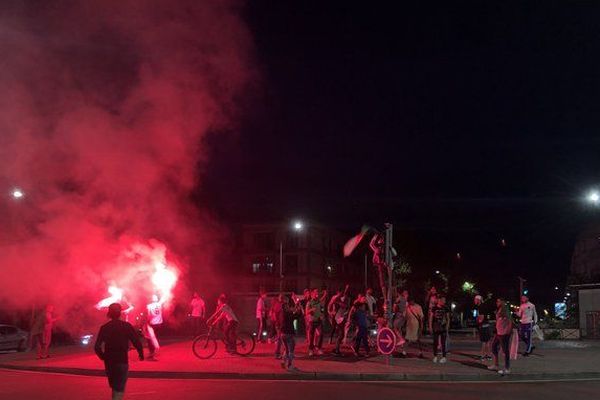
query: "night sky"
460, 125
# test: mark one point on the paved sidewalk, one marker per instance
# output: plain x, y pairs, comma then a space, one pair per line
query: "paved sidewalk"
177, 361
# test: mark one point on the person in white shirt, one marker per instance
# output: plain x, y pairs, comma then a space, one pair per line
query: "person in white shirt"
225, 317
529, 318
371, 302
154, 319
261, 316
197, 312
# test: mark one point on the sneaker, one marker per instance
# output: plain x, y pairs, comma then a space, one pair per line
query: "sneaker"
493, 368
291, 368
403, 353
443, 360
504, 372
310, 353
319, 352
435, 359
337, 352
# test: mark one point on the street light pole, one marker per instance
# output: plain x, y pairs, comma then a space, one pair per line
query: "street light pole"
298, 226
389, 260
280, 265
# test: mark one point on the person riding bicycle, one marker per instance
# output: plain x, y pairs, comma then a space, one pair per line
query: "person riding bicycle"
224, 314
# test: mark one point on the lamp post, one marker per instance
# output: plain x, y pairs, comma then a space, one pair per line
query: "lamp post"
296, 226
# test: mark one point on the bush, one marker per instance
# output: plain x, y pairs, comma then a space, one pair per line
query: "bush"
552, 335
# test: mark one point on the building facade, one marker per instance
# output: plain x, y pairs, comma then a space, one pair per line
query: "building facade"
585, 281
585, 263
274, 256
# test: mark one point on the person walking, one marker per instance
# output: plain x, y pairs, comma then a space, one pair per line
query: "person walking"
314, 318
371, 303
154, 320
430, 301
504, 326
485, 336
361, 318
275, 315
399, 321
290, 310
112, 346
415, 321
197, 313
41, 332
528, 319
439, 324
341, 319
261, 316
332, 307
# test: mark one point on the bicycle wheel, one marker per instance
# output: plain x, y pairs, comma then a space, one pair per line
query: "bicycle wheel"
204, 346
244, 344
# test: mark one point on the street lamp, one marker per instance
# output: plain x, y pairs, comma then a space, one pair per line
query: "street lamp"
593, 197
297, 226
17, 193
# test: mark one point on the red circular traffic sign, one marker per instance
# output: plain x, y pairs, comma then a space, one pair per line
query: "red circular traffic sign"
386, 341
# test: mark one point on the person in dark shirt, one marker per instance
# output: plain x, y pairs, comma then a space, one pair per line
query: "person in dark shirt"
361, 318
485, 336
439, 323
290, 310
115, 335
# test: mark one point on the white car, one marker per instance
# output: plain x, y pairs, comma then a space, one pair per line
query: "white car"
12, 338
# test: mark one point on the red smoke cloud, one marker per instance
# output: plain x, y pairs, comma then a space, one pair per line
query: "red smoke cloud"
103, 108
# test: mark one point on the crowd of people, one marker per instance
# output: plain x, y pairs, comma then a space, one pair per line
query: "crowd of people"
351, 319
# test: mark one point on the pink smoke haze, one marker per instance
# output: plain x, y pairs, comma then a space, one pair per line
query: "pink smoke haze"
103, 109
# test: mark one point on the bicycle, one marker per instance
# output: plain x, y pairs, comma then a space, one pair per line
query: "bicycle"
205, 346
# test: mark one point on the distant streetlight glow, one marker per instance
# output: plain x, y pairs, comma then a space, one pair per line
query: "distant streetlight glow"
298, 225
17, 193
594, 197
437, 271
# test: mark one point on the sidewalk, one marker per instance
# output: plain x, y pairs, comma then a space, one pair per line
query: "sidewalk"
177, 361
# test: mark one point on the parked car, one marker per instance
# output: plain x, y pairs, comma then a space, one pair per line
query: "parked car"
13, 338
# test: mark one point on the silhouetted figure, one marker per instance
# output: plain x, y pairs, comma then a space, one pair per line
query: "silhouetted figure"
112, 346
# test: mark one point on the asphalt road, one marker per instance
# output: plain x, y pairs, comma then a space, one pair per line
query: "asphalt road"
32, 385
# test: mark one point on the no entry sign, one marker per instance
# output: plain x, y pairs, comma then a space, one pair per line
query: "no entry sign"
386, 341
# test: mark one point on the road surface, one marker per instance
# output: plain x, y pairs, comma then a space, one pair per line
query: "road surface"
33, 385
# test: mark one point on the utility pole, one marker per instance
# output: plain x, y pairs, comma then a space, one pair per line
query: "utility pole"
280, 265
389, 260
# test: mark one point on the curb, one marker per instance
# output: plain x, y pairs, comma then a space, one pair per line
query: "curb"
321, 376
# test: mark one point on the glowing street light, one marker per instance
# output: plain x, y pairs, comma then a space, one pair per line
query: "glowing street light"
594, 197
298, 225
17, 193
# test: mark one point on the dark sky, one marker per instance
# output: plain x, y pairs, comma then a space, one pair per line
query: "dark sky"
462, 125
